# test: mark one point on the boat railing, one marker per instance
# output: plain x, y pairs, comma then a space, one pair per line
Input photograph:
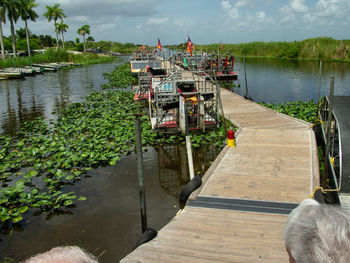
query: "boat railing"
166, 101
332, 137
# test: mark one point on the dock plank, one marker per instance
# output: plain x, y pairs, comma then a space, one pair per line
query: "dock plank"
207, 235
275, 160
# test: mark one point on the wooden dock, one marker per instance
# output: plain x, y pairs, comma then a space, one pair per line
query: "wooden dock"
239, 213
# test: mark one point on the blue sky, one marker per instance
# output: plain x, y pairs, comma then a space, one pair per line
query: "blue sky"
206, 21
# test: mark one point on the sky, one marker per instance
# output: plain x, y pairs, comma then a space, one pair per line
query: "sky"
205, 21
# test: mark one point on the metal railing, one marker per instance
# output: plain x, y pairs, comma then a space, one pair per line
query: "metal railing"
332, 137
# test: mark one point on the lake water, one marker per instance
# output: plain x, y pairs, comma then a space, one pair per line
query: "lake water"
281, 81
108, 223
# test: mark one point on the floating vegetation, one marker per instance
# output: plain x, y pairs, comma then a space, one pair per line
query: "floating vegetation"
120, 77
36, 166
301, 110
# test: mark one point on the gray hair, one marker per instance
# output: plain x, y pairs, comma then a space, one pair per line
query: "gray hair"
68, 254
318, 233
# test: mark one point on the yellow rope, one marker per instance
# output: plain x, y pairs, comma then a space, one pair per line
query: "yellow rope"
317, 121
149, 101
324, 191
320, 121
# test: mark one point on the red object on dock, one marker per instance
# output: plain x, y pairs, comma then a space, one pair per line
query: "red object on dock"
230, 134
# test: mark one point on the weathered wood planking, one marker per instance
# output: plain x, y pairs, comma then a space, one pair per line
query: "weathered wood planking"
209, 235
275, 160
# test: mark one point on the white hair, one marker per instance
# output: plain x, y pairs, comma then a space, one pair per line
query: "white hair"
318, 233
68, 254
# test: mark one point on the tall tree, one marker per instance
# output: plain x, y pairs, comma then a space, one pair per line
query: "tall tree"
11, 7
90, 38
26, 12
21, 33
54, 13
61, 28
85, 29
45, 41
2, 20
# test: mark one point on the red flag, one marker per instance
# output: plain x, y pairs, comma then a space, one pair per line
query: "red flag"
220, 45
159, 46
189, 41
143, 47
189, 45
189, 49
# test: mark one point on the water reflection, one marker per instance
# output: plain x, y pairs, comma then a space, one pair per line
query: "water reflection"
18, 106
39, 96
109, 221
173, 166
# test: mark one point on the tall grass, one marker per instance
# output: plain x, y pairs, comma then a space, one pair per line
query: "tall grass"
322, 48
53, 55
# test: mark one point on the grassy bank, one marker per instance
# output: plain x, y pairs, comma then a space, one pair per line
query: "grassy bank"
323, 48
53, 55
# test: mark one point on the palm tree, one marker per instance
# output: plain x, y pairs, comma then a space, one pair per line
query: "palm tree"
2, 20
85, 29
26, 12
53, 13
61, 27
11, 7
90, 38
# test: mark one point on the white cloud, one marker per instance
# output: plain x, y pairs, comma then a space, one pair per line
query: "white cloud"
299, 6
241, 3
179, 22
332, 8
270, 21
183, 22
261, 15
233, 13
80, 19
103, 8
226, 4
328, 12
243, 24
105, 27
286, 10
157, 21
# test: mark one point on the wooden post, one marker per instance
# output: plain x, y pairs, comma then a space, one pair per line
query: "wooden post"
246, 84
319, 89
140, 174
188, 145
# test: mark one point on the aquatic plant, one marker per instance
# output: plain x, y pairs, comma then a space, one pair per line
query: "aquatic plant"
36, 166
120, 77
298, 109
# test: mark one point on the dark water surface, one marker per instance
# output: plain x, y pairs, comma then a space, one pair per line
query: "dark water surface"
108, 223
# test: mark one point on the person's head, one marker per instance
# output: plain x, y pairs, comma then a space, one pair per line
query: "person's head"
317, 233
68, 254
